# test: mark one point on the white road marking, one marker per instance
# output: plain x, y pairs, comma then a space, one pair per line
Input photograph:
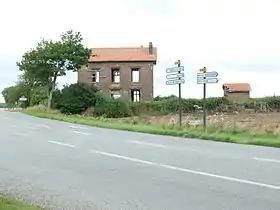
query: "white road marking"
43, 126
62, 144
162, 146
20, 134
77, 127
266, 160
148, 144
78, 132
36, 127
187, 170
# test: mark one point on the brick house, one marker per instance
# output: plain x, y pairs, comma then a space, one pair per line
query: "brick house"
126, 72
237, 91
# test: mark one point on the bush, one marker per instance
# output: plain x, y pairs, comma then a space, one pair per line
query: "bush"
112, 108
170, 105
38, 95
57, 99
273, 102
76, 98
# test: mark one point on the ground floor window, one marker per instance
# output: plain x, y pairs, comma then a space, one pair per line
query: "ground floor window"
135, 95
115, 94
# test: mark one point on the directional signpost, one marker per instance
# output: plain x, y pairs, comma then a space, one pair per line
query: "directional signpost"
175, 76
204, 77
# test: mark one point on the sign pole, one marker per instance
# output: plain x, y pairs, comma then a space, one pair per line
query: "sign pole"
204, 105
180, 97
175, 76
205, 77
204, 70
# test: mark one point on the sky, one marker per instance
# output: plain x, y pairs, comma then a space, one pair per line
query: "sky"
240, 39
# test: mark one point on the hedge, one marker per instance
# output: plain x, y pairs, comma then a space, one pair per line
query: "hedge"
168, 105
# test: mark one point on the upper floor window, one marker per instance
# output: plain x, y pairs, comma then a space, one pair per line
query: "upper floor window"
116, 75
135, 76
95, 75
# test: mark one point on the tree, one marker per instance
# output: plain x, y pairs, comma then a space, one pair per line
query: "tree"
12, 94
50, 59
76, 98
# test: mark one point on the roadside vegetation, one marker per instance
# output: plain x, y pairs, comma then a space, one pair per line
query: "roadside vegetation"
11, 204
81, 103
250, 122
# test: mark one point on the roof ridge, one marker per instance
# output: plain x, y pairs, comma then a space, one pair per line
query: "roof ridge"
237, 83
138, 47
123, 54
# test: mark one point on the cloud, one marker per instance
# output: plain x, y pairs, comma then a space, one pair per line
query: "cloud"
239, 39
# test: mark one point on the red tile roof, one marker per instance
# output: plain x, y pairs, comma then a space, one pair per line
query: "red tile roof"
237, 87
123, 54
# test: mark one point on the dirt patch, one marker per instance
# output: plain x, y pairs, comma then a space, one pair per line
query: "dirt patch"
268, 122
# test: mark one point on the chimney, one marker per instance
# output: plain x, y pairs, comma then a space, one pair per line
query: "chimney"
151, 48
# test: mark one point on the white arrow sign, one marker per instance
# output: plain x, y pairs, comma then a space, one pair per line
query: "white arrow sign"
175, 82
175, 69
207, 80
175, 76
207, 74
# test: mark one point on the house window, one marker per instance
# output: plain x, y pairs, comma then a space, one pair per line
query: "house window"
115, 94
95, 75
135, 75
135, 95
116, 75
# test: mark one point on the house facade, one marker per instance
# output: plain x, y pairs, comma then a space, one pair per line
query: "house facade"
126, 72
237, 91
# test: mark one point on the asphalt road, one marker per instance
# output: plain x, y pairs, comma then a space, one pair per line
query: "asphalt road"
68, 166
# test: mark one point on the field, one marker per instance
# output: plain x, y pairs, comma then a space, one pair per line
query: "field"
246, 128
254, 122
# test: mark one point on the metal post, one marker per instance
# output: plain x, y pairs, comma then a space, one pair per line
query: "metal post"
180, 99
204, 103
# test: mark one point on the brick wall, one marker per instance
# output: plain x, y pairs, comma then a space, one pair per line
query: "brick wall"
105, 79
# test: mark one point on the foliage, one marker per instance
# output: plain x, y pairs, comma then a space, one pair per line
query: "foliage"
12, 94
160, 98
3, 105
50, 59
57, 99
212, 133
170, 105
110, 107
273, 102
38, 95
76, 98
11, 204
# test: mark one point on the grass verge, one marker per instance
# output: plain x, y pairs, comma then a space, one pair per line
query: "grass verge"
11, 204
212, 133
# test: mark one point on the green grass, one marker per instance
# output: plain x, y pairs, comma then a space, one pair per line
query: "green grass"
10, 204
212, 133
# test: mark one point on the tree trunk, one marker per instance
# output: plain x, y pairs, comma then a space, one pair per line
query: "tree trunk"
50, 98
51, 93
